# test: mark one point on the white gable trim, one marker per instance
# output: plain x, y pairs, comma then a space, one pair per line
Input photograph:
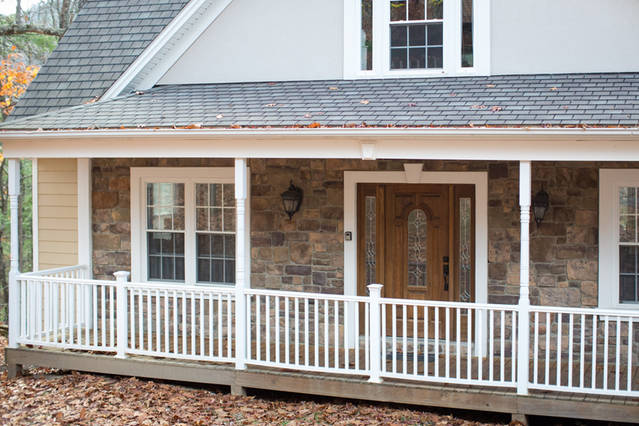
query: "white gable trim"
168, 46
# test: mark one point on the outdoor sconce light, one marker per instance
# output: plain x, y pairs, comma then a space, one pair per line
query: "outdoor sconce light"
540, 204
292, 200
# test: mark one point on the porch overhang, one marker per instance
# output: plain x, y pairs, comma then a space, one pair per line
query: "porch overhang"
502, 144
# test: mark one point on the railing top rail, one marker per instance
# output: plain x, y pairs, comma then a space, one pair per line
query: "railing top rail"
180, 287
62, 280
47, 272
443, 304
305, 295
586, 311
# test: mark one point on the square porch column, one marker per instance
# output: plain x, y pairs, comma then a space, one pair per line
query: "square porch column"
14, 270
523, 341
242, 259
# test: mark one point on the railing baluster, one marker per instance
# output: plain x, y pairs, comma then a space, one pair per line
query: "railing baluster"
383, 336
229, 329
132, 316
326, 340
513, 347
166, 322
249, 331
193, 329
570, 336
605, 360
491, 343
469, 343
87, 315
480, 343
258, 329
201, 315
175, 322
149, 321
267, 320
617, 354
447, 348
394, 320
277, 329
582, 351
47, 308
158, 329
316, 331
336, 331
436, 349
23, 311
559, 348
415, 340
296, 303
287, 351
404, 340
94, 298
220, 338
367, 336
629, 388
547, 366
306, 331
140, 319
184, 323
536, 349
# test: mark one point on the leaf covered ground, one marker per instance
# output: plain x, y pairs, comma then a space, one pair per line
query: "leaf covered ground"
45, 396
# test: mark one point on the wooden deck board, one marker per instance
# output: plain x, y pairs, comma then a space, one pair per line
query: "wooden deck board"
400, 391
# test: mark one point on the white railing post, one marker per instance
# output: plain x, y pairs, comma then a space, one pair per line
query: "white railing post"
14, 271
375, 293
241, 193
523, 309
121, 318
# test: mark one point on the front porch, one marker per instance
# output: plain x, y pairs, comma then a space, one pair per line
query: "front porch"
579, 361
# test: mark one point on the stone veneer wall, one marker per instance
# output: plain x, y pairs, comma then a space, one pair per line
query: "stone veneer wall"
306, 253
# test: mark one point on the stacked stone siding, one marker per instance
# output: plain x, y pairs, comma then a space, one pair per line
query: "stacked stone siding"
306, 253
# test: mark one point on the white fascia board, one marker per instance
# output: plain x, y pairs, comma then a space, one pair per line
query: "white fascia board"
594, 144
168, 46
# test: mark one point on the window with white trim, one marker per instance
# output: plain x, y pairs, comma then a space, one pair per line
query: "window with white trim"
619, 239
183, 225
389, 38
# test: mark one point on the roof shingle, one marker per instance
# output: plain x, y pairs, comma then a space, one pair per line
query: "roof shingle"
518, 100
101, 43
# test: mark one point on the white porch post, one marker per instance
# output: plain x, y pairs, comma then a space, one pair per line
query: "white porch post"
122, 327
241, 273
523, 342
376, 340
14, 271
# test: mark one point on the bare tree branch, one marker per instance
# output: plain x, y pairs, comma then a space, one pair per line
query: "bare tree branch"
30, 29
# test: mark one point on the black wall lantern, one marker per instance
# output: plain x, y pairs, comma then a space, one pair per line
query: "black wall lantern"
292, 200
540, 204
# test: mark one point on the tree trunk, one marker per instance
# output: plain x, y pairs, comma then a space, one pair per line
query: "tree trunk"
18, 12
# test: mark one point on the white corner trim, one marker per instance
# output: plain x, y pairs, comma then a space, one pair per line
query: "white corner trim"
85, 228
610, 180
168, 46
479, 179
35, 234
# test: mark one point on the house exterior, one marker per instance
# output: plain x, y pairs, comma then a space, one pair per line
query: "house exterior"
477, 158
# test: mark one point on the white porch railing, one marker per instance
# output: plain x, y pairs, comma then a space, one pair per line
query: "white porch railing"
571, 349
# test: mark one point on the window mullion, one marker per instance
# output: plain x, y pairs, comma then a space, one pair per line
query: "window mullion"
189, 233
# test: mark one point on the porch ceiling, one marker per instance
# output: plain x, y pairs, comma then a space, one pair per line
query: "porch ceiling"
567, 100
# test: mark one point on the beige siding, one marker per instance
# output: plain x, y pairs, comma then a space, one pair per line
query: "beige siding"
57, 213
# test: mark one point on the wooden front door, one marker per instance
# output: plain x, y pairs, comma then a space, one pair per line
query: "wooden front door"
417, 240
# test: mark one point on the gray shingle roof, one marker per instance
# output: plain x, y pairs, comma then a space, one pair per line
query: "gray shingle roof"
103, 41
520, 100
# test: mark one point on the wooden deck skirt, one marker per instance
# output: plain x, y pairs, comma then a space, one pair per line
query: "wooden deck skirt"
578, 406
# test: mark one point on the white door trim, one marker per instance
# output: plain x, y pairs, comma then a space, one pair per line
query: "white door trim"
479, 179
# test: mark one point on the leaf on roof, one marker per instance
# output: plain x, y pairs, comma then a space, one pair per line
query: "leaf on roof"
194, 126
490, 86
333, 88
270, 105
314, 125
364, 102
495, 108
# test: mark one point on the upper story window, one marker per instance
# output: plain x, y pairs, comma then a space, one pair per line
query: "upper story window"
394, 38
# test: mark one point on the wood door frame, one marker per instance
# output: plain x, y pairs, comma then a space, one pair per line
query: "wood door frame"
479, 179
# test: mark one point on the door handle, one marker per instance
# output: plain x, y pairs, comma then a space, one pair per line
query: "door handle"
446, 271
